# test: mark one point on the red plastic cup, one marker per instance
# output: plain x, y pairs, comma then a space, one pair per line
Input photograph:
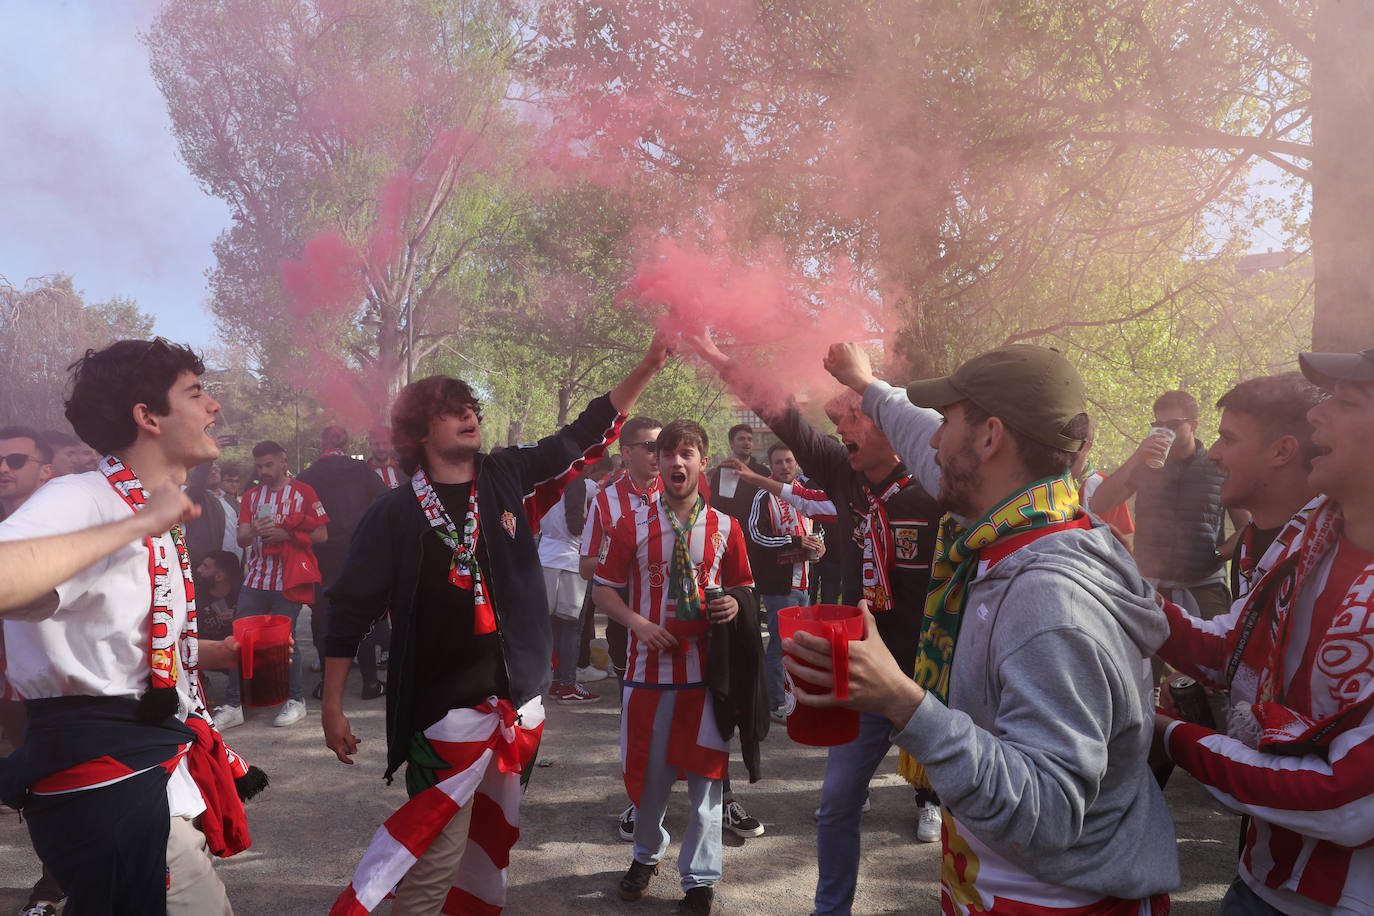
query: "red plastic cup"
264, 659
813, 725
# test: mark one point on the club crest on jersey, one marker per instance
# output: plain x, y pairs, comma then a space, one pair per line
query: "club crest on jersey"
718, 542
907, 541
508, 522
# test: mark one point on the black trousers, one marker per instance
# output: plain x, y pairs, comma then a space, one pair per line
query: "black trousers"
107, 847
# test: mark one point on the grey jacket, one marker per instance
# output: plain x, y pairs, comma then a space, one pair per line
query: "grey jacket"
1041, 753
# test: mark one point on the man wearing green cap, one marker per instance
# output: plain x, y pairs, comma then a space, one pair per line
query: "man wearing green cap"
1031, 706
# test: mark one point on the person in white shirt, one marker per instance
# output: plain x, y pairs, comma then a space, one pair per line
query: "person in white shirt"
99, 615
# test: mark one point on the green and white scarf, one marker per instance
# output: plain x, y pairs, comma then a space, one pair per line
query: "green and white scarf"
1047, 502
682, 575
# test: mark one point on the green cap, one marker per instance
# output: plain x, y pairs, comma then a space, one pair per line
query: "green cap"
1034, 390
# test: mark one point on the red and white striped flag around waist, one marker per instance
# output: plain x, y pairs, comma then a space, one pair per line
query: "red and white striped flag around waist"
487, 747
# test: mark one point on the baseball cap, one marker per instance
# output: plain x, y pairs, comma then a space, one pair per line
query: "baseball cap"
1034, 390
1326, 369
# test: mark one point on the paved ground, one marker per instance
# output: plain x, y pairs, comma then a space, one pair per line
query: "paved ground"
311, 827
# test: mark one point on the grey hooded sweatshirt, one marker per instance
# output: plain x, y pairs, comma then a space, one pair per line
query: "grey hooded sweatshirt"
1041, 753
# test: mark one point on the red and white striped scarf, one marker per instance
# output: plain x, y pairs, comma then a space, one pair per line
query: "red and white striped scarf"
487, 748
162, 640
389, 473
1260, 639
463, 571
879, 551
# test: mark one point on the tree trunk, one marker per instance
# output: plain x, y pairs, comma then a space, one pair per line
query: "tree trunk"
564, 402
1342, 184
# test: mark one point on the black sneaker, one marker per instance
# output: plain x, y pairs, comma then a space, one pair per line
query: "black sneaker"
636, 881
697, 902
739, 822
627, 824
374, 690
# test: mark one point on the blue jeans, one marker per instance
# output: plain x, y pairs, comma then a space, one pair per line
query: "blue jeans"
772, 656
566, 635
700, 858
1241, 901
565, 590
848, 769
254, 601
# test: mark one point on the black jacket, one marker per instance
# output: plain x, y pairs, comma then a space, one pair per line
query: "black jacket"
346, 487
734, 678
765, 544
737, 506
384, 561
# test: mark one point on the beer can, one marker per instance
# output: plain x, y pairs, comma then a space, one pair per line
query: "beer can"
713, 592
1190, 699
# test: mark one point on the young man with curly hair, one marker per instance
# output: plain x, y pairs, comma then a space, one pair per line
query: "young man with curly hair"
451, 553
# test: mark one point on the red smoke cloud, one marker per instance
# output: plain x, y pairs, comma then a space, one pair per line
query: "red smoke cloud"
761, 309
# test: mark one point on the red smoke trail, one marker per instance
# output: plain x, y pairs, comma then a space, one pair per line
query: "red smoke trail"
760, 309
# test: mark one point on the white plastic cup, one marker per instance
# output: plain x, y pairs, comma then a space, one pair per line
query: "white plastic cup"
1158, 462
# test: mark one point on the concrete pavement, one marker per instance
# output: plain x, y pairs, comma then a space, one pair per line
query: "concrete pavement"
311, 827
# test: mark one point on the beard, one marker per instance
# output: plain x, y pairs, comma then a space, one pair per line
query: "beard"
960, 480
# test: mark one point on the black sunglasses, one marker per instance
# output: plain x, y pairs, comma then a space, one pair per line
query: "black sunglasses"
1173, 424
17, 460
649, 445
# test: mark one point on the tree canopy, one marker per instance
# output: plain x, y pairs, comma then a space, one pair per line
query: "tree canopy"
45, 326
436, 185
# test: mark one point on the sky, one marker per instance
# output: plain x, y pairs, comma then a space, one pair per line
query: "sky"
91, 184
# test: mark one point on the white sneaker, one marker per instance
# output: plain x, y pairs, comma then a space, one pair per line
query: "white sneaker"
227, 717
590, 673
928, 823
292, 711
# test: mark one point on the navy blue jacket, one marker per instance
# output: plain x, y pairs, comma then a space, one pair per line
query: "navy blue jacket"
383, 565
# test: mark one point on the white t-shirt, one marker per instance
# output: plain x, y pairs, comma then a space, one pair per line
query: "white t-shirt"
558, 549
96, 643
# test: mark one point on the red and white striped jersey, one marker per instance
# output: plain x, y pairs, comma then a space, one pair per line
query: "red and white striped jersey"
1309, 850
639, 555
814, 504
617, 499
389, 472
264, 570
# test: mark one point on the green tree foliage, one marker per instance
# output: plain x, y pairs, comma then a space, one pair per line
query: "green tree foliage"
45, 326
366, 145
1075, 173
556, 332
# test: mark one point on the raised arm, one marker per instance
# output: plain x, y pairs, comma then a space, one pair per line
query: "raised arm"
811, 503
825, 460
906, 426
624, 396
547, 467
1119, 487
30, 570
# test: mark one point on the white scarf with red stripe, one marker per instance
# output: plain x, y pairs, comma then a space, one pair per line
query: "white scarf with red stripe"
488, 746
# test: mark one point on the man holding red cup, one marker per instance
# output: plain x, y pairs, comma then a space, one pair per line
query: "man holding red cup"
1030, 709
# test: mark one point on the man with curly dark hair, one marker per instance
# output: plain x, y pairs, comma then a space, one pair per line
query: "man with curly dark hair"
125, 785
451, 552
